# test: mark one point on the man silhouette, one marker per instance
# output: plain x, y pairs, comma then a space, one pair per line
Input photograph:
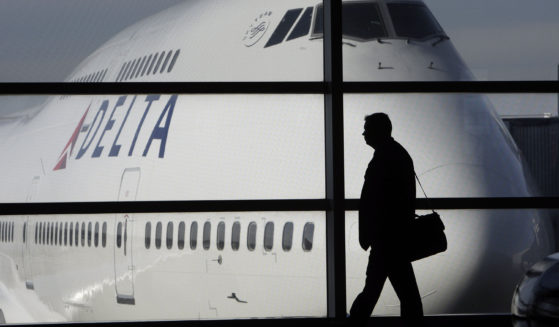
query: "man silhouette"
386, 207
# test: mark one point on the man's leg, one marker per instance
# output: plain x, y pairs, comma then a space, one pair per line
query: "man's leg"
402, 277
365, 302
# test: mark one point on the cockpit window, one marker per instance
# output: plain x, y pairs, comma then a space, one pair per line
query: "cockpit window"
413, 20
360, 20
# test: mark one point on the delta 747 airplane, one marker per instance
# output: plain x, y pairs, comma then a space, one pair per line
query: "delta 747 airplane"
200, 147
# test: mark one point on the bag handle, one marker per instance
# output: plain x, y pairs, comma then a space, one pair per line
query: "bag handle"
426, 197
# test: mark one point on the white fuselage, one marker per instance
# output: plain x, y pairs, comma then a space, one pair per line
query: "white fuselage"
235, 147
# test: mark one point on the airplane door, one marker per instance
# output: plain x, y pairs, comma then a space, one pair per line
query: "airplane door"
26, 245
124, 230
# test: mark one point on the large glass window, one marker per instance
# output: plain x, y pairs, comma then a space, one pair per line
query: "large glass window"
481, 243
459, 144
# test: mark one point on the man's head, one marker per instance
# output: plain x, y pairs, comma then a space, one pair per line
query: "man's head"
378, 129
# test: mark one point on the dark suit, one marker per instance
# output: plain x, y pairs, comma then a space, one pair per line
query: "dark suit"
386, 207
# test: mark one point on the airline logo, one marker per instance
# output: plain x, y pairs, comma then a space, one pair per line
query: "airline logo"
257, 29
124, 126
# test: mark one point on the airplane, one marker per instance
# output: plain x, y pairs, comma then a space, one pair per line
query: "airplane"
116, 267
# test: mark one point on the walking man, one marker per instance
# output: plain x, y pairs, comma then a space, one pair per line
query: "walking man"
386, 208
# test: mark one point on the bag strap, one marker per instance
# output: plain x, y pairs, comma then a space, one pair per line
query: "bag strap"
422, 189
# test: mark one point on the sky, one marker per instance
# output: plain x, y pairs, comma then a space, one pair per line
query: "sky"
43, 40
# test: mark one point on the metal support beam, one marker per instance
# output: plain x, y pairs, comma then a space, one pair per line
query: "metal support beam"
333, 114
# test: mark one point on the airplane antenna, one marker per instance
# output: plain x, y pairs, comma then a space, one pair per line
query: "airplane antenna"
43, 167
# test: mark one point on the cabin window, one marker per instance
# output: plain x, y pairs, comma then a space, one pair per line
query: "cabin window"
89, 232
24, 229
169, 235
146, 65
125, 73
166, 61
83, 234
71, 234
308, 234
156, 68
118, 234
251, 236
360, 20
120, 72
303, 26
65, 233
413, 20
44, 233
130, 68
134, 68
141, 67
2, 231
151, 65
56, 234
172, 65
180, 236
221, 235
193, 235
104, 73
77, 238
206, 236
158, 231
36, 233
104, 234
283, 27
148, 235
236, 236
12, 232
269, 236
50, 237
287, 238
60, 233
96, 235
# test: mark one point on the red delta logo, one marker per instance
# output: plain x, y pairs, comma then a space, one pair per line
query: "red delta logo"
107, 134
63, 158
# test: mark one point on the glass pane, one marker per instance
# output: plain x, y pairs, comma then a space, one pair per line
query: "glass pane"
488, 253
261, 146
459, 144
172, 277
222, 41
415, 47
